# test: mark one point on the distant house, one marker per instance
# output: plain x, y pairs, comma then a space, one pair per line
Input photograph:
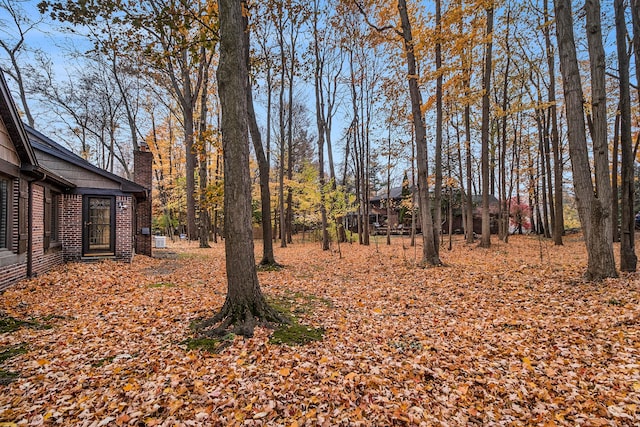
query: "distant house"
476, 200
56, 207
400, 218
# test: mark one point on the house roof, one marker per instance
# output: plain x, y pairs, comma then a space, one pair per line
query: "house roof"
42, 143
394, 193
13, 123
476, 199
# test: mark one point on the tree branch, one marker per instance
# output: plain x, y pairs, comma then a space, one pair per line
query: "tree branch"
371, 24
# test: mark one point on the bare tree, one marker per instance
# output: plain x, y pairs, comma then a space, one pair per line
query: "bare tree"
628, 258
593, 203
12, 41
485, 241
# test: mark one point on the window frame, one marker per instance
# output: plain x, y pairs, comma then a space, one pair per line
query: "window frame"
51, 219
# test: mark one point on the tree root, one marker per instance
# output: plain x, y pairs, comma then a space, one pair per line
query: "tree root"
267, 264
240, 319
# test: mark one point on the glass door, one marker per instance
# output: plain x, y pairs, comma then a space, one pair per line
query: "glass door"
99, 230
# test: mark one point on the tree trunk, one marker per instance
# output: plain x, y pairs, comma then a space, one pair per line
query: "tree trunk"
504, 211
281, 171
635, 19
466, 77
485, 241
558, 225
268, 258
190, 167
203, 220
628, 258
321, 124
615, 206
437, 190
245, 305
429, 252
593, 208
389, 187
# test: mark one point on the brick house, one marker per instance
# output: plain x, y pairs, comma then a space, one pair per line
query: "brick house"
56, 207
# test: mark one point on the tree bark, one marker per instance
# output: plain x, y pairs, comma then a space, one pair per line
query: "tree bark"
485, 241
203, 220
268, 258
593, 207
504, 211
429, 252
628, 258
245, 305
558, 225
321, 124
615, 153
437, 190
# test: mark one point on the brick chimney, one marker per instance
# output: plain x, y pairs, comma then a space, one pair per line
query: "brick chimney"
142, 175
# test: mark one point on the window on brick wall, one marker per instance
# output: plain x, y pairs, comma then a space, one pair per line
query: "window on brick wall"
5, 186
55, 217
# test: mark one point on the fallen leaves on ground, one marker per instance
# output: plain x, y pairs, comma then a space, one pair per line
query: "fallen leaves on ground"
509, 335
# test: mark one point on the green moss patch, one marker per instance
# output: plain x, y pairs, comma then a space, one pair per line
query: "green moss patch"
292, 303
11, 324
7, 377
211, 345
162, 285
13, 351
296, 334
269, 267
6, 353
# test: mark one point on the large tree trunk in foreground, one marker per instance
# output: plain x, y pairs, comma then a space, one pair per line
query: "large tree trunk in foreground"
245, 305
593, 208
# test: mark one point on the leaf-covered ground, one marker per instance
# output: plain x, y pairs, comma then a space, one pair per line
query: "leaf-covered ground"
505, 336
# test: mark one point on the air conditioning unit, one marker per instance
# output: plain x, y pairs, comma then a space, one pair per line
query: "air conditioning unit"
160, 242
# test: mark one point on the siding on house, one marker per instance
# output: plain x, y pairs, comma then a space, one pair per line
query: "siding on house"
8, 152
82, 178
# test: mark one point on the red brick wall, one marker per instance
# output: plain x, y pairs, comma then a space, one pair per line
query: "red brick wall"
37, 227
143, 163
13, 273
124, 230
71, 227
